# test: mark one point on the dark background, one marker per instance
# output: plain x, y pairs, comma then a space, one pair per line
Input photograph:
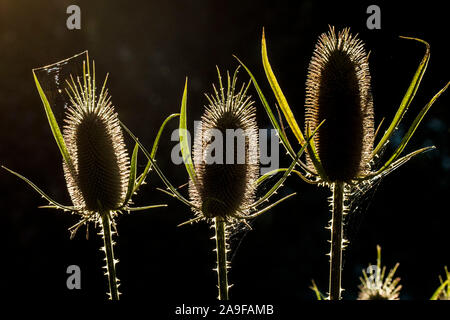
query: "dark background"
149, 47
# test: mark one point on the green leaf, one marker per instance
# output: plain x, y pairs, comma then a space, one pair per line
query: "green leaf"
42, 193
145, 207
440, 289
314, 155
269, 112
406, 101
141, 178
272, 118
282, 102
413, 128
157, 169
184, 143
132, 178
383, 172
278, 184
54, 127
273, 172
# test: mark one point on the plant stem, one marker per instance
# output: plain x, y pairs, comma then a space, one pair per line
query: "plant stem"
221, 250
109, 251
336, 240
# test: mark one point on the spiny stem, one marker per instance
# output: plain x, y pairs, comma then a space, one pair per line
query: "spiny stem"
109, 251
336, 240
221, 249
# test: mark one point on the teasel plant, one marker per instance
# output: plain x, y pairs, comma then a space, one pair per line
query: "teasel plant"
100, 177
224, 194
376, 285
443, 291
343, 155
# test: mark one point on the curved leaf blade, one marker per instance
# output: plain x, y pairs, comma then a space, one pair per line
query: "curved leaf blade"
408, 97
54, 126
184, 143
282, 102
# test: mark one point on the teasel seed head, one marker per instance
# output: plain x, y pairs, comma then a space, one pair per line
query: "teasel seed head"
224, 189
379, 286
98, 181
338, 91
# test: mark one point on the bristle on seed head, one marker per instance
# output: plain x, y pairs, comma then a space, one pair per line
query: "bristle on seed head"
338, 91
95, 143
226, 186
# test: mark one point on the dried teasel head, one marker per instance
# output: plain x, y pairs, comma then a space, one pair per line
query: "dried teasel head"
226, 184
338, 91
99, 178
377, 285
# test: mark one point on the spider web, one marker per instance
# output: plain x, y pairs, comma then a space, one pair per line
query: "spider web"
52, 79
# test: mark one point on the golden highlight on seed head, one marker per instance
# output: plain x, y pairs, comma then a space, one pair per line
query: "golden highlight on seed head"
338, 91
226, 187
95, 142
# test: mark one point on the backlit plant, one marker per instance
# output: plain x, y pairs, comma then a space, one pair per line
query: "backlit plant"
377, 285
223, 193
343, 155
100, 177
443, 291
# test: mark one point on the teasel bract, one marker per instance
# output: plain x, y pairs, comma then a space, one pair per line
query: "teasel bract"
343, 154
100, 178
223, 193
443, 291
376, 285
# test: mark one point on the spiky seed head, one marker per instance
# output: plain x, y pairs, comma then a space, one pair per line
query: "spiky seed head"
98, 181
379, 286
226, 187
338, 90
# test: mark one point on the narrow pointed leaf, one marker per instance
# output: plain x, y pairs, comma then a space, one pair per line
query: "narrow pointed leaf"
413, 127
42, 193
157, 169
314, 155
278, 184
141, 178
184, 143
409, 96
269, 112
54, 126
273, 172
144, 207
282, 102
440, 289
260, 212
132, 178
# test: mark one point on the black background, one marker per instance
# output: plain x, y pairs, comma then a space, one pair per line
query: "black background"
149, 47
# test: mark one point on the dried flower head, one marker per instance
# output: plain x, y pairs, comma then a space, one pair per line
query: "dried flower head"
99, 179
226, 185
338, 90
376, 286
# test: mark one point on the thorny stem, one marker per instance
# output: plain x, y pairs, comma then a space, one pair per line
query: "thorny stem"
336, 240
109, 251
221, 250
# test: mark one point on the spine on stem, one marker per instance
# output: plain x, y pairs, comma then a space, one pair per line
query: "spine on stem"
109, 252
337, 240
222, 263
